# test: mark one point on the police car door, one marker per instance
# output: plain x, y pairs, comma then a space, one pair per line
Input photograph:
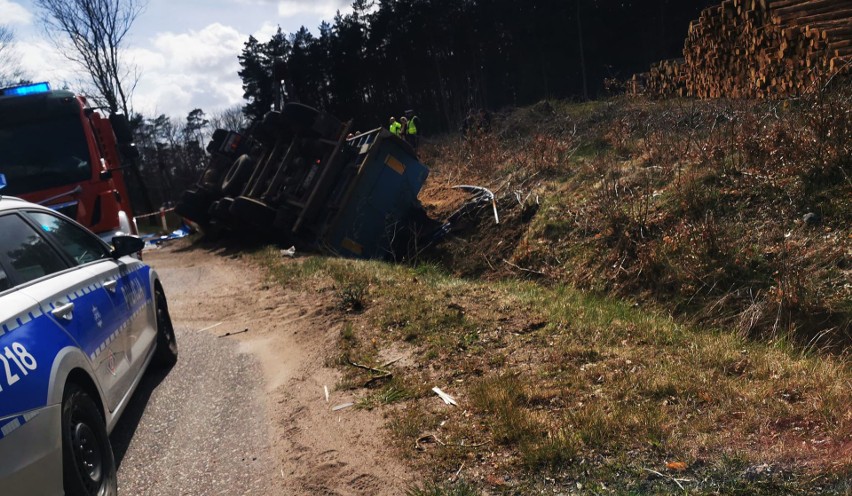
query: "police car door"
87, 301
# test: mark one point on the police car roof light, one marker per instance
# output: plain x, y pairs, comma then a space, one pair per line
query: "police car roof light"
27, 89
2, 181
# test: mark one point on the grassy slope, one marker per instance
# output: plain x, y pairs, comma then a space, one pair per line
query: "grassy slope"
692, 210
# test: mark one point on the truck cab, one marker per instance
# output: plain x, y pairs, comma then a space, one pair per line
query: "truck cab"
58, 151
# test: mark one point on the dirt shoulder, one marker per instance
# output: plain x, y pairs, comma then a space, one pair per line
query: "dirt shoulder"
317, 450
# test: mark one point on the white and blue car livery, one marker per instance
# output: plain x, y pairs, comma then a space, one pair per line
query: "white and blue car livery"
80, 321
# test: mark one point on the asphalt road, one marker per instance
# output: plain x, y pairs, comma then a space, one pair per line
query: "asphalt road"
199, 428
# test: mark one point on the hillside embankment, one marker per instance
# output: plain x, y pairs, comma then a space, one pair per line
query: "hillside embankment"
664, 304
733, 213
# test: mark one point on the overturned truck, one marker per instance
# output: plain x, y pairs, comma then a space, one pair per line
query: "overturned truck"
300, 177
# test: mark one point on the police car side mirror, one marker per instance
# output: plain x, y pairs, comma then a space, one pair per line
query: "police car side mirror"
126, 245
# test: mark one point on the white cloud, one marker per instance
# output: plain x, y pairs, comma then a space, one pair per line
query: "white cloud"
14, 13
41, 62
182, 71
322, 9
265, 32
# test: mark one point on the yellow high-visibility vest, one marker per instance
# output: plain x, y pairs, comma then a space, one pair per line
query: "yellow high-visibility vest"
395, 128
412, 128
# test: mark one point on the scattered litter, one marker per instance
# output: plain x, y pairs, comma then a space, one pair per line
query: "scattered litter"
233, 333
210, 327
444, 396
494, 205
427, 438
152, 241
342, 406
482, 195
289, 252
326, 393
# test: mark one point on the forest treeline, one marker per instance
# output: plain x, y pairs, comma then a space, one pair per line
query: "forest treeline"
440, 58
443, 58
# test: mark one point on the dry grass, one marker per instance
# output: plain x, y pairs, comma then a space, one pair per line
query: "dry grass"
688, 209
556, 383
699, 206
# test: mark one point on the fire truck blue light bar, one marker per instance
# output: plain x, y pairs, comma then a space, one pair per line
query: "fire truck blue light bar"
29, 89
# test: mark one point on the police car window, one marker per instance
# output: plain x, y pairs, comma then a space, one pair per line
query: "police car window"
81, 246
27, 253
5, 283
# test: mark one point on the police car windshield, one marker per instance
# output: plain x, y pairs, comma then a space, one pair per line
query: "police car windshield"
46, 153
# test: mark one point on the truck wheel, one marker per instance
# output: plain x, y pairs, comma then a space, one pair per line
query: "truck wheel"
253, 212
166, 353
194, 205
221, 209
328, 126
88, 466
238, 174
272, 128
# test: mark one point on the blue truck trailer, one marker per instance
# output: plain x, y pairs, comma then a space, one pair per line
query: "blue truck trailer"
299, 176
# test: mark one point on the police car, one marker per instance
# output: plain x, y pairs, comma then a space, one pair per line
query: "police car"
80, 321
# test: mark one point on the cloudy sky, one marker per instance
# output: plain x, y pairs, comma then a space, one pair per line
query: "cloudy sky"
186, 50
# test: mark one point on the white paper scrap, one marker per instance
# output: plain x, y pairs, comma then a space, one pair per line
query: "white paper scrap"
444, 396
341, 406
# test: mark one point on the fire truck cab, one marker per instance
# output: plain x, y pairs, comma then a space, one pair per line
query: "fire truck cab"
58, 151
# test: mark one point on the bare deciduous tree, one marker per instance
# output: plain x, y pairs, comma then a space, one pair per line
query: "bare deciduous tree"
10, 69
232, 118
91, 34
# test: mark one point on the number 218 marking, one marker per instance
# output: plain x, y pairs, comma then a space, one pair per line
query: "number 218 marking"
20, 358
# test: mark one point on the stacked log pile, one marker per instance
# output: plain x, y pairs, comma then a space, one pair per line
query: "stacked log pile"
757, 49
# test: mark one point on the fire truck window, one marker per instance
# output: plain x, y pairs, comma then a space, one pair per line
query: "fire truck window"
31, 166
26, 252
82, 246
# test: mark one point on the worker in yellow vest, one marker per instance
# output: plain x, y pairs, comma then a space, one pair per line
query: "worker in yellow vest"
395, 127
410, 129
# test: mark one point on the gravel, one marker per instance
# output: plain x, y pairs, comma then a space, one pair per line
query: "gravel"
199, 428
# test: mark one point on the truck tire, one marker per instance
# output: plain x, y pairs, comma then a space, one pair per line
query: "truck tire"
272, 128
194, 204
238, 174
299, 118
221, 210
327, 126
253, 212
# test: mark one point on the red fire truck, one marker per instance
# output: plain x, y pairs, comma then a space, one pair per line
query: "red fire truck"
56, 150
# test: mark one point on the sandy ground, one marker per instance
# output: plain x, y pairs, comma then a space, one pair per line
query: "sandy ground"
311, 448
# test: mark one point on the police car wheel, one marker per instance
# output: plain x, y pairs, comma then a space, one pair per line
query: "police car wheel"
87, 459
167, 350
